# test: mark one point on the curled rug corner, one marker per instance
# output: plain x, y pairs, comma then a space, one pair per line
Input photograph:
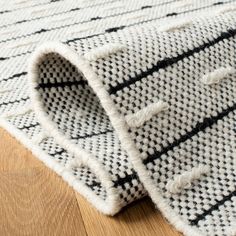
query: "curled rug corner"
144, 109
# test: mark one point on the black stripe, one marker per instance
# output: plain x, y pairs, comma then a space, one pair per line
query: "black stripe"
200, 127
218, 3
21, 8
170, 61
12, 102
14, 76
18, 22
86, 21
96, 18
28, 126
40, 31
172, 14
145, 7
3, 58
114, 29
55, 14
61, 84
121, 27
213, 208
183, 12
91, 135
74, 9
119, 182
27, 35
86, 37
2, 12
208, 122
20, 54
61, 27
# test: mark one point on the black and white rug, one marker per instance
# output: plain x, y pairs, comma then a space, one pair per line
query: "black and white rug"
128, 98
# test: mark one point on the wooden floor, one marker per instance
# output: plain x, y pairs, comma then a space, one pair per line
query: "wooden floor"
36, 201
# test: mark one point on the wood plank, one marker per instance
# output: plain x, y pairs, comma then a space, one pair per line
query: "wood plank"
139, 219
13, 156
37, 202
33, 199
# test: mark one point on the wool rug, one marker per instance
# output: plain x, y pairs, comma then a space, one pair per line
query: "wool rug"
128, 98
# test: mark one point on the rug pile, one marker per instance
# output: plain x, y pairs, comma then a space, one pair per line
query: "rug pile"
128, 98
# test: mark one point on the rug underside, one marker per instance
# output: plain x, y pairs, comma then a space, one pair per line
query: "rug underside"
125, 99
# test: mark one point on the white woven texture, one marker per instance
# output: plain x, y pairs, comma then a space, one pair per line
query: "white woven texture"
128, 98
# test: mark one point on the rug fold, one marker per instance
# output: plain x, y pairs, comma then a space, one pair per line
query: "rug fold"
74, 108
142, 109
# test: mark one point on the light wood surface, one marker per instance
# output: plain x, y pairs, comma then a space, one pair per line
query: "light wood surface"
36, 201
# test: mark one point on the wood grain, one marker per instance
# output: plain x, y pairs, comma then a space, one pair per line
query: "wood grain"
14, 156
139, 219
35, 201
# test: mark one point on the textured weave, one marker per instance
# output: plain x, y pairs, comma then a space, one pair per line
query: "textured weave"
128, 98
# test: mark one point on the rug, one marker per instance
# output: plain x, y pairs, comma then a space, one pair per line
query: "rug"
125, 99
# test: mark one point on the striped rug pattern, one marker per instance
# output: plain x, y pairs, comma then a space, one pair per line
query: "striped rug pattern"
125, 99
